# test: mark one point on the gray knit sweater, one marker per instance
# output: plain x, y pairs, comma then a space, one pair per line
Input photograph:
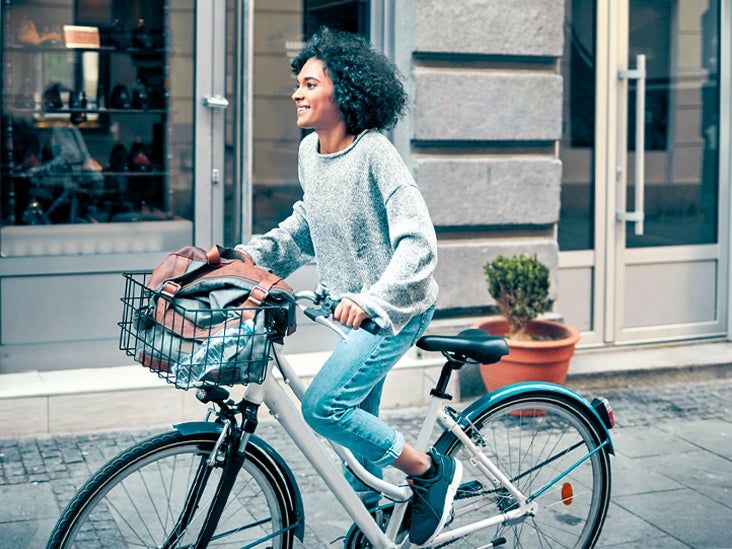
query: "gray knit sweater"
365, 222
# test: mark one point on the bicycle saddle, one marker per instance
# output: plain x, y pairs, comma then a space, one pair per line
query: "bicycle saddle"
474, 343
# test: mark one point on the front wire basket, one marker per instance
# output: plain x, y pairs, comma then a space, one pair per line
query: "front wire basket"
191, 346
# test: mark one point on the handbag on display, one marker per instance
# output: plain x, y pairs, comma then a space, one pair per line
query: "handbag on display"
27, 33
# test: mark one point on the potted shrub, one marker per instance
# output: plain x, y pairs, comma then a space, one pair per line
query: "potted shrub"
539, 350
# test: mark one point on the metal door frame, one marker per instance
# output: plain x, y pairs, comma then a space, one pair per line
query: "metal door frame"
209, 104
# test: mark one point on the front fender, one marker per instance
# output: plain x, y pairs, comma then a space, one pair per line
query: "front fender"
500, 395
264, 449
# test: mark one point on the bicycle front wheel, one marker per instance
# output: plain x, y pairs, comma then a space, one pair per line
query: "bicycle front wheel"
541, 441
158, 494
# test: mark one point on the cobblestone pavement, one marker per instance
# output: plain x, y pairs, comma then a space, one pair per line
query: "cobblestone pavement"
656, 427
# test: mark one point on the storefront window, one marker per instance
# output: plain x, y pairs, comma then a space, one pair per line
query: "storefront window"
96, 129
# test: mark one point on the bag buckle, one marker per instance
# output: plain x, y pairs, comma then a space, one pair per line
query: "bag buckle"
169, 289
257, 300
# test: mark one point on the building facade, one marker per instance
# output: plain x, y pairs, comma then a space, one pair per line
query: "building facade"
133, 128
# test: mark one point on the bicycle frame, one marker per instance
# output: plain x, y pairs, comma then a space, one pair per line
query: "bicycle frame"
273, 395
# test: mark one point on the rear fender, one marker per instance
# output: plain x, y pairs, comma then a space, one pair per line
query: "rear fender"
500, 395
265, 452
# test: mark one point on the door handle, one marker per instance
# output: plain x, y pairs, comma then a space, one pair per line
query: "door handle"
216, 101
639, 75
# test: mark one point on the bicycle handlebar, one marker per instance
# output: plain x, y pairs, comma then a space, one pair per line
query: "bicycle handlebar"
323, 307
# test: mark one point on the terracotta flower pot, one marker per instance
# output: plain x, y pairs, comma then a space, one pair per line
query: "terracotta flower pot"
543, 359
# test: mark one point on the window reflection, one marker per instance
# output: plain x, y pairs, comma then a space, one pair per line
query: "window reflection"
279, 34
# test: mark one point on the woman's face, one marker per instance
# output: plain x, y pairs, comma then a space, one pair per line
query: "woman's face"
316, 105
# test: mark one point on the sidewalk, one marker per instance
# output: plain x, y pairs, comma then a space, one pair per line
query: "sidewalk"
83, 400
672, 473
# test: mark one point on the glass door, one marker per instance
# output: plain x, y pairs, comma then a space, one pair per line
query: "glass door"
668, 246
640, 223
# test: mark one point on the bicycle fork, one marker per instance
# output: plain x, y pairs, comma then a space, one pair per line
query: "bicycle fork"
230, 459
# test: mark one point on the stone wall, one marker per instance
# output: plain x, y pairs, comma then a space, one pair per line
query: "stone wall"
481, 136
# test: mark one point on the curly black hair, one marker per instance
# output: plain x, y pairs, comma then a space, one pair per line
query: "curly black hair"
367, 85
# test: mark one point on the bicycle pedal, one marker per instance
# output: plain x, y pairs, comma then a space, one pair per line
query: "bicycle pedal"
469, 489
495, 543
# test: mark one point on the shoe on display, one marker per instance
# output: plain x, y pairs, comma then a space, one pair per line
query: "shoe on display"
34, 214
139, 159
52, 97
140, 97
114, 36
433, 497
118, 158
142, 37
78, 103
27, 33
120, 97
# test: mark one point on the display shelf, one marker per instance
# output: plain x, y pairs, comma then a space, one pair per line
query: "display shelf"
26, 48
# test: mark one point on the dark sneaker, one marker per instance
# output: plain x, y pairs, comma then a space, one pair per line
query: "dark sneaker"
432, 500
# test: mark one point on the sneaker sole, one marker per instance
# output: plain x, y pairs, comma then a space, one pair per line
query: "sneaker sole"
449, 498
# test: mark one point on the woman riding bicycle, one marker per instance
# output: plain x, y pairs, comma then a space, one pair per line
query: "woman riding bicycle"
365, 223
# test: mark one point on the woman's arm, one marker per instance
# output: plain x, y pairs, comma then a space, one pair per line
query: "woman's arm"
286, 247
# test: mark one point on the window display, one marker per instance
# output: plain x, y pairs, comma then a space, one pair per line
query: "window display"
85, 116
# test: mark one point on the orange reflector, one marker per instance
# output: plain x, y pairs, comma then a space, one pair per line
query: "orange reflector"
567, 493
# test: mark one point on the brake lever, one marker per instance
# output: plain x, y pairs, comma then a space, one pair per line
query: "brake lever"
321, 316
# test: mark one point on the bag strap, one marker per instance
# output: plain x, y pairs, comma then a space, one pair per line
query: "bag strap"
260, 292
213, 257
267, 279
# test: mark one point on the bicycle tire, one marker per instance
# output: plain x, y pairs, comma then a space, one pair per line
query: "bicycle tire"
136, 499
528, 437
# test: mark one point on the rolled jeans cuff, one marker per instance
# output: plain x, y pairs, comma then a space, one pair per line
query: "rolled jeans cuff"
394, 451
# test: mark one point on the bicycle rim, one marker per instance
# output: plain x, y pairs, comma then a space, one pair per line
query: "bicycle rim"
138, 499
534, 439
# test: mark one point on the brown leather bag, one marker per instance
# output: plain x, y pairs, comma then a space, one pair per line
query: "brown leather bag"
199, 300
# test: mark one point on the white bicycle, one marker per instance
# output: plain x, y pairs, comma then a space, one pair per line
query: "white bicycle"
536, 458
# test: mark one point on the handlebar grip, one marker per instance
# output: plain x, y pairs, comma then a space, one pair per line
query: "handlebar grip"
370, 326
367, 325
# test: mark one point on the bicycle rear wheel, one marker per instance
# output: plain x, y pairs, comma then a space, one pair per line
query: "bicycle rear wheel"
535, 438
142, 498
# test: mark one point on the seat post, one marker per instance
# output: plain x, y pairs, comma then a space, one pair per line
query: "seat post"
440, 390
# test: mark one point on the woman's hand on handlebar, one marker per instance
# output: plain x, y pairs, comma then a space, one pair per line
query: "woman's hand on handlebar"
349, 313
331, 313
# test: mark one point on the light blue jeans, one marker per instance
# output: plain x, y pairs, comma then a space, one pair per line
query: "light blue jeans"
342, 402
